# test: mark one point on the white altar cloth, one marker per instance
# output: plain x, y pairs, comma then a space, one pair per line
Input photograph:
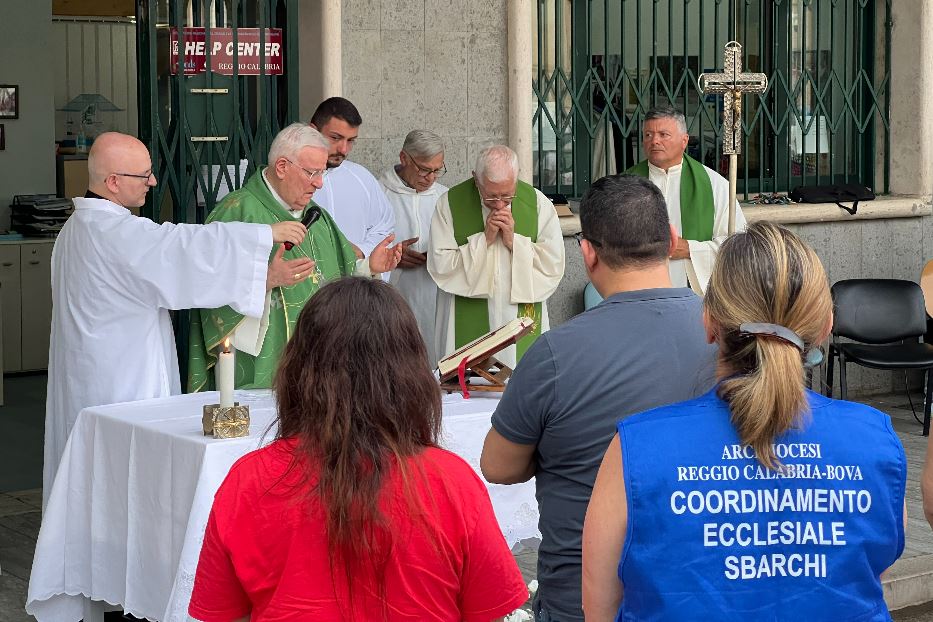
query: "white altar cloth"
126, 517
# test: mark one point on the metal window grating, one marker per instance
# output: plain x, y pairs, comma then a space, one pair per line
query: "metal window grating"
600, 65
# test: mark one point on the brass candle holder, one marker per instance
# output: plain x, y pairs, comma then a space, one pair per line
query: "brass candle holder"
225, 421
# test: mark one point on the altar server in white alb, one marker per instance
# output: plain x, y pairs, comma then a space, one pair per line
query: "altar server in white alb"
115, 276
496, 253
413, 190
351, 194
697, 197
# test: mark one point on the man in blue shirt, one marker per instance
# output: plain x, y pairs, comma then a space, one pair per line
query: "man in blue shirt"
644, 346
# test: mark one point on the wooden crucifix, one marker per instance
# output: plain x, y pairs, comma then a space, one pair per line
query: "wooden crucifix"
733, 84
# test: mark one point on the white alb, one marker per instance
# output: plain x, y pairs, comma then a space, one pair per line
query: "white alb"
114, 278
355, 200
702, 254
413, 212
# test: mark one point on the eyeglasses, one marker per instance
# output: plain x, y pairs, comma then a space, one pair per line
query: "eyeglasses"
424, 171
320, 172
492, 201
579, 237
146, 176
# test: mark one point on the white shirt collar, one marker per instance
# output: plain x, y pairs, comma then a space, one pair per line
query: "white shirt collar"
402, 184
671, 171
275, 195
395, 183
102, 204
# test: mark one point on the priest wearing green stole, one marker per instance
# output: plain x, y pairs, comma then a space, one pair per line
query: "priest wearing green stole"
496, 253
697, 197
279, 193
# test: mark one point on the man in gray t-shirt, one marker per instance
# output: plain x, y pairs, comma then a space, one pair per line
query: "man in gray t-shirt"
644, 346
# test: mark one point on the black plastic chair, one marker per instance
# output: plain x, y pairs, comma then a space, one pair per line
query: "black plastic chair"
887, 317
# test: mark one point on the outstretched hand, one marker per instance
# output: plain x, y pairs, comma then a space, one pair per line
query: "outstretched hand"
287, 272
384, 258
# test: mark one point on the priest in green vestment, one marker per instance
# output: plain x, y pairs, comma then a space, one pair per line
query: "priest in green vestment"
280, 192
496, 253
697, 197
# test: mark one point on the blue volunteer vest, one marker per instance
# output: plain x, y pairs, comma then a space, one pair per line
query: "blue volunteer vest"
712, 534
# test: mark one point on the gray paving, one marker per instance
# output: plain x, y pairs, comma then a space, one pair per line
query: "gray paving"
923, 613
20, 515
23, 426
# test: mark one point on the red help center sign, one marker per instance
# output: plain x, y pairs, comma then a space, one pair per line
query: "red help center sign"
248, 48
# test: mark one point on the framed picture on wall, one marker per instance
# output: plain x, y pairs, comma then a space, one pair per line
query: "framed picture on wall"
9, 101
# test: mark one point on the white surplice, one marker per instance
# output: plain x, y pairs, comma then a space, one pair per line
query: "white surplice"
355, 200
702, 254
114, 278
413, 213
528, 273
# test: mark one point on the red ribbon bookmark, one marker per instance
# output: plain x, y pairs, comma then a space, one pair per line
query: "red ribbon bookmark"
461, 376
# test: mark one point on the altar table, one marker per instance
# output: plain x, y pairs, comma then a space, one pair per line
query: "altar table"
126, 516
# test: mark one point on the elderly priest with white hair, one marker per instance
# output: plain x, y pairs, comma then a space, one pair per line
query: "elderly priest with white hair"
116, 275
413, 190
496, 253
279, 192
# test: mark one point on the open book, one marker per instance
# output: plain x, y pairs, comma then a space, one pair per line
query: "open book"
485, 346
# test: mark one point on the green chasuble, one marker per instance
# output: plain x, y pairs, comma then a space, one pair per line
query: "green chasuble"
697, 211
471, 315
325, 244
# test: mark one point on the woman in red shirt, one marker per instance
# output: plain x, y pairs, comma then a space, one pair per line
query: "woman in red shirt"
354, 512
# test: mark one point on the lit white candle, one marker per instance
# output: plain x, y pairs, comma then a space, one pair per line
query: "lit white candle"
224, 375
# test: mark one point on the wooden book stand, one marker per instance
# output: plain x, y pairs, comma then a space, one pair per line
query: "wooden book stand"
477, 358
483, 369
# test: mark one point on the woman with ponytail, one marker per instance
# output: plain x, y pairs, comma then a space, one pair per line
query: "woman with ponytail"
354, 513
760, 499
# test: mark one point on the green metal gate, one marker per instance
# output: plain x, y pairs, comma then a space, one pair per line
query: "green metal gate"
197, 126
200, 125
601, 64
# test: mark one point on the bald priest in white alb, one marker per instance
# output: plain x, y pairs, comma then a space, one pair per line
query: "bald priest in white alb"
496, 253
697, 197
115, 276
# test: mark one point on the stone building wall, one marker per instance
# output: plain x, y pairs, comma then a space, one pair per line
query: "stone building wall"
439, 65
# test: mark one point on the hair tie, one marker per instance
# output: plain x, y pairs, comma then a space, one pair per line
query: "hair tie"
772, 330
812, 357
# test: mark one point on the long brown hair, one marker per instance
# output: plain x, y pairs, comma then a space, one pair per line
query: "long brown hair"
355, 389
766, 274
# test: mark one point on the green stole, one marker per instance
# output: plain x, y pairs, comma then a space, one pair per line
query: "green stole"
471, 315
325, 244
697, 210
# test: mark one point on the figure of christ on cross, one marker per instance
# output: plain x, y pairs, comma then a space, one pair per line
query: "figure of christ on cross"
733, 83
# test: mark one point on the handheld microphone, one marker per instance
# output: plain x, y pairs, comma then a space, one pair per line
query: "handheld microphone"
311, 216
